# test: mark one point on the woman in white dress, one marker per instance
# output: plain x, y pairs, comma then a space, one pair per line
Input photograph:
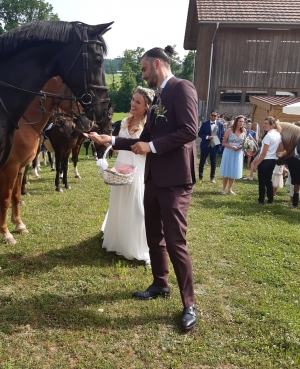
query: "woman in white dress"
124, 226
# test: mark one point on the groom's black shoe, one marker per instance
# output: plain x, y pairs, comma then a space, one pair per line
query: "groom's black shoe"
189, 318
152, 292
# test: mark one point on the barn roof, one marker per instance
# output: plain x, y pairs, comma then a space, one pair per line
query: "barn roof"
276, 100
256, 11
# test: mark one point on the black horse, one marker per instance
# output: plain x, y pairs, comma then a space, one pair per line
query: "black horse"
32, 54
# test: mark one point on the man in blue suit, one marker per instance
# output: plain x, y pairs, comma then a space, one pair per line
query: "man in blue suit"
211, 133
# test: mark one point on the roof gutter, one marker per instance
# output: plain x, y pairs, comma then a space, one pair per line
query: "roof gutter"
210, 67
265, 23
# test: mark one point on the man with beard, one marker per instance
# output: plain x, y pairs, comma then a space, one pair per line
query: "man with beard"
168, 140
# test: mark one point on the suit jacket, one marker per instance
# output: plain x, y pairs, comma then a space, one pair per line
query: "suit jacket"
205, 131
173, 136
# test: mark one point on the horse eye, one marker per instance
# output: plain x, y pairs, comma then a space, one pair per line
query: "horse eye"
98, 58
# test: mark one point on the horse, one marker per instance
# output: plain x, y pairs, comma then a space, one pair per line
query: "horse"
30, 55
100, 149
64, 137
26, 140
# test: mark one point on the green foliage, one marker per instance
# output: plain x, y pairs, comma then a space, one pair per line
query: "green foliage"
131, 77
187, 70
14, 13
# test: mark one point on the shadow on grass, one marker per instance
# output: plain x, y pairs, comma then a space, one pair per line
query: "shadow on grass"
79, 312
88, 252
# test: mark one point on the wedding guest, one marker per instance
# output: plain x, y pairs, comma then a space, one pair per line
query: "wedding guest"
231, 167
266, 161
277, 178
210, 131
168, 139
293, 163
124, 225
250, 132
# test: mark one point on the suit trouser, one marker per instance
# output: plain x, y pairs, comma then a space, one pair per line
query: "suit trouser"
265, 171
165, 219
212, 151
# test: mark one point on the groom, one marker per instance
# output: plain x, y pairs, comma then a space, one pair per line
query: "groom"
168, 139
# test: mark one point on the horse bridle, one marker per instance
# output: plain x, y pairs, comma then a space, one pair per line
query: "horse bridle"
86, 75
87, 82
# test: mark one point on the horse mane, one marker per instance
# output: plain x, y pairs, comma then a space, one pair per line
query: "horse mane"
289, 132
41, 32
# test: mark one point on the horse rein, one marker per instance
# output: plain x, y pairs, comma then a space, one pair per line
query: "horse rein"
87, 83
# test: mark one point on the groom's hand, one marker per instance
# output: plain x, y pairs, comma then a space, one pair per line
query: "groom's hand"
141, 148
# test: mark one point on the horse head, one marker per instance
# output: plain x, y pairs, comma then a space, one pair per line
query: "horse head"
82, 69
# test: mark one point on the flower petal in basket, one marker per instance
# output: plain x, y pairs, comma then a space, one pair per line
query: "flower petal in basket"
125, 169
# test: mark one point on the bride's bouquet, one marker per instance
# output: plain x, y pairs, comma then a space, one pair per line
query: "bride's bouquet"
249, 145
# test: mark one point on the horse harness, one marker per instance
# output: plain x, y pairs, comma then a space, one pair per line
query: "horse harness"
86, 99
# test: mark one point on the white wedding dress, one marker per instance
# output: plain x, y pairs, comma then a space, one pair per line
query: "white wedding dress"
124, 225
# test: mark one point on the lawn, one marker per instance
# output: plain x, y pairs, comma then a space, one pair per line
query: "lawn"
66, 302
109, 78
119, 116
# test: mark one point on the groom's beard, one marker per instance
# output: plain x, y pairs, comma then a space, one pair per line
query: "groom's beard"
153, 78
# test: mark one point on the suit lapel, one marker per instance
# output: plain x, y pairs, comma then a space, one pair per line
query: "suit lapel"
163, 95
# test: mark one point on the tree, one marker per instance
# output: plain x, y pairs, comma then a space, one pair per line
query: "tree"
14, 13
187, 71
176, 63
130, 65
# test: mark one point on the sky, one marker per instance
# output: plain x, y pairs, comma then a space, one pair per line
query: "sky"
138, 23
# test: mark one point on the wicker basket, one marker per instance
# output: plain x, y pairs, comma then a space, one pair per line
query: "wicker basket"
113, 178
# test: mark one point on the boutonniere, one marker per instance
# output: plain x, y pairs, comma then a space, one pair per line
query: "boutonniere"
159, 110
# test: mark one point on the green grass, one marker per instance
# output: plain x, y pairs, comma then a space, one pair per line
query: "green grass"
66, 303
119, 116
109, 78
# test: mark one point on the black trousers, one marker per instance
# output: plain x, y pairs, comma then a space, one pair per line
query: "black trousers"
265, 171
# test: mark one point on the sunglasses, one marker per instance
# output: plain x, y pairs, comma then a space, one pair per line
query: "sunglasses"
213, 115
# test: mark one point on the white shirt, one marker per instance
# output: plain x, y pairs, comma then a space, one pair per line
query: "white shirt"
273, 139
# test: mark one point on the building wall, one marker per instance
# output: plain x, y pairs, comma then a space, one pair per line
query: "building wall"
246, 59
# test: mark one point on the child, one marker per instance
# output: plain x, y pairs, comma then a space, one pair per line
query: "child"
277, 177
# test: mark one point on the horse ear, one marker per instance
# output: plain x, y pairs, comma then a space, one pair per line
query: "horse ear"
99, 29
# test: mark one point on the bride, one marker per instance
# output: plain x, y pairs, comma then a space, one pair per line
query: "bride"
124, 226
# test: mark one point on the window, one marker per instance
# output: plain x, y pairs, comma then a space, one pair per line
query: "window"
286, 93
254, 93
230, 96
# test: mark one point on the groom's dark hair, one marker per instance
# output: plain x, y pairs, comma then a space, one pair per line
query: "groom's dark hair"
164, 55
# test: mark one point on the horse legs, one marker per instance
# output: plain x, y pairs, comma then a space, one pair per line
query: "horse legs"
75, 152
51, 161
58, 165
65, 165
15, 200
24, 190
7, 180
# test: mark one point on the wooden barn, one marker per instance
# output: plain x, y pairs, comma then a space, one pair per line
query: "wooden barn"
243, 48
263, 106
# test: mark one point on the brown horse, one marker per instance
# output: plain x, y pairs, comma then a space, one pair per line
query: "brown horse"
23, 151
100, 149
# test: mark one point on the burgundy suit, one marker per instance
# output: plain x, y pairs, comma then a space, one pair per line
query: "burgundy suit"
169, 178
